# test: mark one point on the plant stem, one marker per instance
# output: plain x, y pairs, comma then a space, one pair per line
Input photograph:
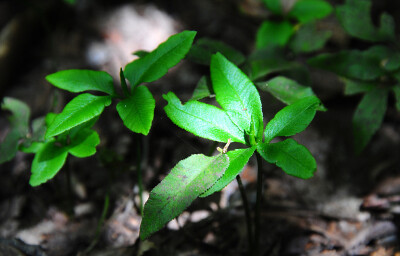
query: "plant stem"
247, 214
139, 171
257, 226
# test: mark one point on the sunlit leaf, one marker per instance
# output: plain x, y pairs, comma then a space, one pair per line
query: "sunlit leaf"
137, 111
84, 143
187, 180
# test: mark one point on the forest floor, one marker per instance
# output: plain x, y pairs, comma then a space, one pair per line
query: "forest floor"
350, 207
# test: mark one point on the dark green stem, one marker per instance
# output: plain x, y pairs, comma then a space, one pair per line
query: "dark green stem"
139, 171
246, 207
257, 226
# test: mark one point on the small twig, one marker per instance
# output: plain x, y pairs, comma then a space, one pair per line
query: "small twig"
246, 207
257, 226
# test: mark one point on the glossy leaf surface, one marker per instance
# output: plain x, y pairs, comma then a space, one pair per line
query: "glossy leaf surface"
237, 160
156, 64
84, 143
79, 80
187, 180
236, 94
137, 111
368, 117
202, 120
293, 158
79, 110
274, 33
292, 119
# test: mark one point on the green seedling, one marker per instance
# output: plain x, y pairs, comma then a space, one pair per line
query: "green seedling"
239, 120
374, 72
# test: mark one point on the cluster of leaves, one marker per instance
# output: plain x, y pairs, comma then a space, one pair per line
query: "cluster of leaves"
240, 120
70, 132
374, 71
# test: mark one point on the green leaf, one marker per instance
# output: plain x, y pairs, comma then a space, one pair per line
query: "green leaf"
273, 33
355, 17
308, 38
310, 10
156, 64
47, 162
368, 117
354, 87
141, 53
137, 111
187, 180
202, 120
20, 114
237, 160
293, 158
9, 146
203, 88
393, 62
79, 80
396, 90
84, 143
274, 6
79, 110
204, 48
351, 64
286, 90
236, 94
292, 119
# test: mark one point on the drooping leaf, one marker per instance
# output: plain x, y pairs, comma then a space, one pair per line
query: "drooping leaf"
79, 80
9, 146
355, 17
84, 143
292, 119
236, 94
354, 87
286, 90
293, 158
272, 33
137, 111
187, 180
396, 90
368, 117
310, 10
204, 48
47, 162
351, 64
203, 88
274, 6
237, 160
202, 120
156, 64
20, 113
308, 38
79, 110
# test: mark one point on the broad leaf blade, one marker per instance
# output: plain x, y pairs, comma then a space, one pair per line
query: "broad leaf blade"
236, 94
368, 117
156, 64
187, 180
308, 38
237, 160
354, 87
9, 146
137, 111
272, 33
84, 143
309, 10
20, 114
286, 90
292, 119
355, 17
204, 48
203, 88
202, 120
47, 162
351, 64
79, 110
293, 158
79, 80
